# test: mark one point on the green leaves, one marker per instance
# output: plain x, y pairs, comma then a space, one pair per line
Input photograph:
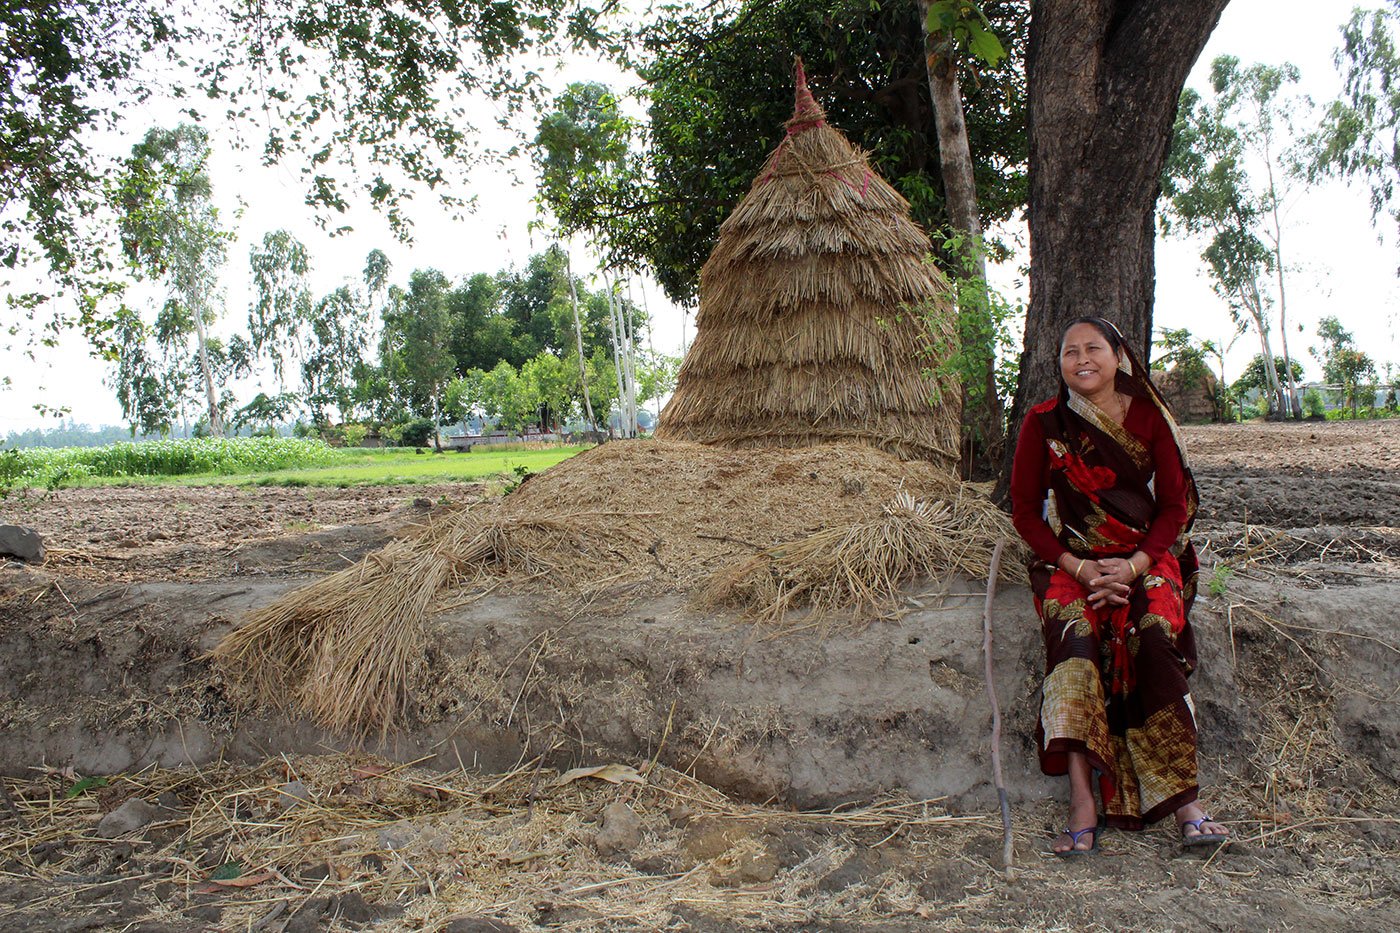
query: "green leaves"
969, 27
1357, 137
718, 82
83, 785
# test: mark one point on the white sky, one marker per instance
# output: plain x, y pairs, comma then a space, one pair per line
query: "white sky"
1336, 264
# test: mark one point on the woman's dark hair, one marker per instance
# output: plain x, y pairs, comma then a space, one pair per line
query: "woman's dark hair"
1110, 333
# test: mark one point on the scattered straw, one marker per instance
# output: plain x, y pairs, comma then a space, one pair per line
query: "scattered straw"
419, 848
345, 648
863, 564
834, 526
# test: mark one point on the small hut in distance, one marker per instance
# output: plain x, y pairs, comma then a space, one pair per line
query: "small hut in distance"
821, 318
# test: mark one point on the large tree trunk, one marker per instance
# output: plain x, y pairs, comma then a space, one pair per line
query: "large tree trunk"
983, 429
1104, 78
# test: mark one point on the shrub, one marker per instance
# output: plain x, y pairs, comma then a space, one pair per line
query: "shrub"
416, 432
1313, 403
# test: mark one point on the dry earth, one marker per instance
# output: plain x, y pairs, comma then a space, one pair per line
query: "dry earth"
101, 674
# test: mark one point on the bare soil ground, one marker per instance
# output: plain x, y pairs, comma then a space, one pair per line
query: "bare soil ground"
884, 728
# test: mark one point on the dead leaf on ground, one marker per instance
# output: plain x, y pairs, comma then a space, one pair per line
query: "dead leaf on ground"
613, 774
214, 886
369, 770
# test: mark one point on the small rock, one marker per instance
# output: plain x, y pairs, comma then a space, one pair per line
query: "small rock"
208, 913
477, 924
24, 543
395, 836
293, 794
652, 865
130, 816
422, 502
621, 832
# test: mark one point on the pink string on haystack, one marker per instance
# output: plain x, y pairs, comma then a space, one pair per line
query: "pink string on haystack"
807, 114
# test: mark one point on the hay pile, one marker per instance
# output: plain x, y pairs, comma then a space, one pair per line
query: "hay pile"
821, 317
836, 527
820, 321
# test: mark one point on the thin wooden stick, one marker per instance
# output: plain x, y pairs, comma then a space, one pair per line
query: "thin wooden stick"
1007, 854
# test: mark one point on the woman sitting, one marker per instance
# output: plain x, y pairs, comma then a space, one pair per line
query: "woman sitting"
1101, 492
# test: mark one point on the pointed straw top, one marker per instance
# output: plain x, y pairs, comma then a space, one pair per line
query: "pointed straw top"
806, 113
820, 320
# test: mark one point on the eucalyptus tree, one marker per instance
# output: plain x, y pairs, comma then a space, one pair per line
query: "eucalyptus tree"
1247, 128
365, 100
338, 336
1359, 136
583, 153
142, 384
414, 348
171, 233
282, 304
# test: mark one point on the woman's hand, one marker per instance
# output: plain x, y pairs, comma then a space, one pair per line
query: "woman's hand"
1113, 570
1087, 572
1114, 578
1121, 570
1114, 594
1109, 580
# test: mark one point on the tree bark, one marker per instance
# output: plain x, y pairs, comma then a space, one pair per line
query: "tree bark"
1104, 78
982, 425
1295, 399
578, 335
216, 421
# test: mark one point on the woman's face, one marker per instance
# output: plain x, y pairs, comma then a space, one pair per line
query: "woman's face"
1087, 361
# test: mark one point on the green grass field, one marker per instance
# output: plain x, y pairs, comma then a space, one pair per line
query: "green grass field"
257, 461
397, 465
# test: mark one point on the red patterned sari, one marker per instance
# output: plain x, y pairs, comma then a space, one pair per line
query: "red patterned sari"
1115, 685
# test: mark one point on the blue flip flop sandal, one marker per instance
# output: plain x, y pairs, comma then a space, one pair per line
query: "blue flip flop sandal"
1074, 837
1200, 838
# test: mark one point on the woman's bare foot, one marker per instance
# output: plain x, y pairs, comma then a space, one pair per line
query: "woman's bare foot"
1082, 815
1192, 821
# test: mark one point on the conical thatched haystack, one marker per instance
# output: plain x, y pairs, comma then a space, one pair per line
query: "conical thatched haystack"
820, 317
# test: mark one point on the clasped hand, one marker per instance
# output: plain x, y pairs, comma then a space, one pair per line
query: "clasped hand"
1109, 581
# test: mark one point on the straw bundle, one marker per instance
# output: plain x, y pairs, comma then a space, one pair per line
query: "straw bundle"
861, 565
346, 649
820, 317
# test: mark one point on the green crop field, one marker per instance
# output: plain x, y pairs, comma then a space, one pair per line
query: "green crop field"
259, 461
